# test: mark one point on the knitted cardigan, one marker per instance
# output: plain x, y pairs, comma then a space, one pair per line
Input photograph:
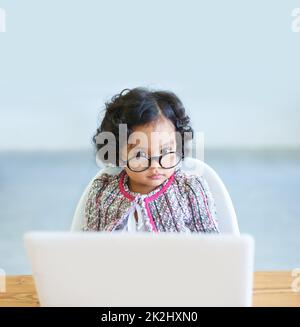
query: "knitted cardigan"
182, 203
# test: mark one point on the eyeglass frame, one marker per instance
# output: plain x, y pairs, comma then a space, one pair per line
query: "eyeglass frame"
155, 157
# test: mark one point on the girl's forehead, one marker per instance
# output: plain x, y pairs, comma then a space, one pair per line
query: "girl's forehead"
147, 145
154, 146
153, 135
161, 124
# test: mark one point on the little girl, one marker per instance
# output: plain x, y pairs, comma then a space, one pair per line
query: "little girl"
151, 192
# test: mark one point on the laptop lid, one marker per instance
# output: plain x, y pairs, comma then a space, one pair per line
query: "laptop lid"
141, 269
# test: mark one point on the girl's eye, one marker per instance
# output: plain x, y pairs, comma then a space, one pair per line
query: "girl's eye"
166, 150
140, 154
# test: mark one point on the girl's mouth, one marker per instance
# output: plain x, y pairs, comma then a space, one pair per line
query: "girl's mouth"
156, 176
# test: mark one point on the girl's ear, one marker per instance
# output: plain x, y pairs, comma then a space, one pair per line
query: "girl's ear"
123, 158
122, 162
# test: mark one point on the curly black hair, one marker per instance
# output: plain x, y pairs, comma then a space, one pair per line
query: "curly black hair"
139, 106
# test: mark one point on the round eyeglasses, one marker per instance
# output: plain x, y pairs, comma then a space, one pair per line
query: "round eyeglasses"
140, 163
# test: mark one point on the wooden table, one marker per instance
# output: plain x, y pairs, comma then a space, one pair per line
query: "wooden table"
273, 288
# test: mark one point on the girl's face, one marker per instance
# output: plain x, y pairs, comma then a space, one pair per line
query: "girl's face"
158, 138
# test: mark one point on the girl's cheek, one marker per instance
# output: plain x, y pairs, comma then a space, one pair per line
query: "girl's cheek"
137, 177
143, 176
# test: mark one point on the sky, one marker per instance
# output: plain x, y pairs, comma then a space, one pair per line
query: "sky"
234, 64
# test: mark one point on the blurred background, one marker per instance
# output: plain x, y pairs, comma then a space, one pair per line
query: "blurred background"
234, 65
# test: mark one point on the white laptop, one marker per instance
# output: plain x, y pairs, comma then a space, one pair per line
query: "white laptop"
110, 269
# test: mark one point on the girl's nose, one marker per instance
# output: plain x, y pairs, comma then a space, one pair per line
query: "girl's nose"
155, 163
